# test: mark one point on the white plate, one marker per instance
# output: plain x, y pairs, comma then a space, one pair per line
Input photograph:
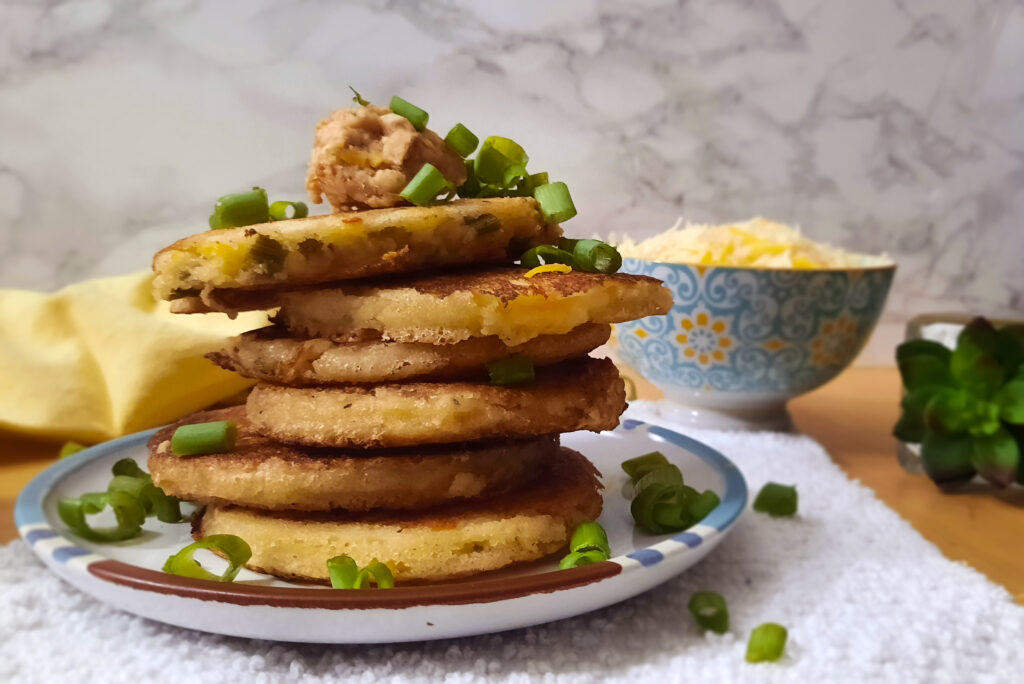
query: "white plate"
127, 574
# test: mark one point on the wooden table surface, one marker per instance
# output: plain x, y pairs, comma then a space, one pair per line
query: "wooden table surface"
851, 417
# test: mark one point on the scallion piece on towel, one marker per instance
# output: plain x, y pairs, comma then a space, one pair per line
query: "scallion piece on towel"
281, 210
511, 371
555, 202
426, 185
767, 642
462, 140
70, 449
216, 437
710, 611
235, 548
241, 209
776, 500
416, 116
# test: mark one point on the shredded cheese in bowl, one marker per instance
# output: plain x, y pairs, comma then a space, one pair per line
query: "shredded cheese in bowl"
757, 243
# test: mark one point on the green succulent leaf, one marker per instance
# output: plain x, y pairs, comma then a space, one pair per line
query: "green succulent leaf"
923, 348
948, 412
996, 457
1010, 348
910, 428
923, 370
1010, 400
975, 363
947, 459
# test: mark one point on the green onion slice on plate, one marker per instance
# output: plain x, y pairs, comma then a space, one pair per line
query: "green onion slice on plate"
639, 466
416, 116
129, 511
345, 574
710, 611
767, 642
588, 536
776, 500
235, 548
70, 449
514, 370
577, 559
215, 437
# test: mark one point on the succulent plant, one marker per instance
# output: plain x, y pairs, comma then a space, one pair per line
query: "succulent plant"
966, 405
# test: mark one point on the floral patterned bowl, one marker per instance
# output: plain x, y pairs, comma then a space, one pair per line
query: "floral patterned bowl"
740, 342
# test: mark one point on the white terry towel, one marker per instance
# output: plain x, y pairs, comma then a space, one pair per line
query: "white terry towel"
864, 596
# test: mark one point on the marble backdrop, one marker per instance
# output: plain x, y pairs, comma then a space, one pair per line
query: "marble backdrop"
879, 125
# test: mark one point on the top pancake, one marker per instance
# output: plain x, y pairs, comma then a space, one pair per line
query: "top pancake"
322, 249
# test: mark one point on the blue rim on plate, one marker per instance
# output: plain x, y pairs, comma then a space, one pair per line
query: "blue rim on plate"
58, 548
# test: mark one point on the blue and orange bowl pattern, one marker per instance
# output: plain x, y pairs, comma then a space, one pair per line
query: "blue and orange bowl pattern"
767, 332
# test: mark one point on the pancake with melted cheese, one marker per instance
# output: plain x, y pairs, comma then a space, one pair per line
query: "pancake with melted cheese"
439, 544
264, 474
449, 308
272, 355
582, 394
321, 249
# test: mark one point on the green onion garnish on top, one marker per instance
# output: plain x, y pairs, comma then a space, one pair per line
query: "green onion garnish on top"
500, 162
555, 202
241, 209
416, 116
462, 140
357, 98
426, 185
546, 254
767, 642
776, 500
511, 371
281, 210
710, 611
70, 449
235, 548
345, 574
538, 179
216, 437
594, 256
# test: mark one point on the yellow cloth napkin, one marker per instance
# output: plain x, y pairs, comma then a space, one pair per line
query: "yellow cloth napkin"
101, 358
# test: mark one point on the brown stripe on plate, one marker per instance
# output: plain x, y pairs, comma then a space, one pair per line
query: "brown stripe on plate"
455, 593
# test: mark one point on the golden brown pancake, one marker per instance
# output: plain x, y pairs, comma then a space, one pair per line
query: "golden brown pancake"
261, 473
450, 541
270, 354
445, 309
582, 394
321, 249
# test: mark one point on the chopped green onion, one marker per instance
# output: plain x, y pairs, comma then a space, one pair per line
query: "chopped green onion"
580, 558
710, 611
128, 466
282, 210
659, 474
555, 202
641, 465
462, 140
426, 185
546, 254
511, 371
235, 548
705, 502
776, 500
594, 256
242, 209
538, 179
70, 449
471, 188
590, 536
204, 438
767, 642
357, 98
416, 116
129, 511
500, 162
345, 574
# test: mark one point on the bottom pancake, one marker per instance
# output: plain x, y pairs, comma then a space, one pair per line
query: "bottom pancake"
261, 473
446, 542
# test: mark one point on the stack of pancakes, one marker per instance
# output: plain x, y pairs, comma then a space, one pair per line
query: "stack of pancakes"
374, 430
